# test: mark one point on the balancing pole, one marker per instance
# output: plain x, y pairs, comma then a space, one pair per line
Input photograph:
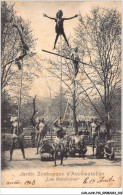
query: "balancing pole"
65, 57
55, 53
61, 83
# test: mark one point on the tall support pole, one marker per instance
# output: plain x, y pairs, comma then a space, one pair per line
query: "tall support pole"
61, 83
51, 111
74, 107
20, 94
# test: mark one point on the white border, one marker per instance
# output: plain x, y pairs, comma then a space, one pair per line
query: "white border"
60, 190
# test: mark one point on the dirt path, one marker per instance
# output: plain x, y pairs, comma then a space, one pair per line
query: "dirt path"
33, 160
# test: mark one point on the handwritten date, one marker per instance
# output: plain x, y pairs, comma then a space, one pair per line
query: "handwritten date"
29, 182
87, 180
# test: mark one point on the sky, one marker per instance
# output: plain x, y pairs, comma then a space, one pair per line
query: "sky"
44, 28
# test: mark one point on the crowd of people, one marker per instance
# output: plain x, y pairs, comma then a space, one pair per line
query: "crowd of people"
96, 133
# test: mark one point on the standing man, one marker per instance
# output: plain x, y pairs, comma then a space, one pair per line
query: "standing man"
93, 133
41, 131
17, 135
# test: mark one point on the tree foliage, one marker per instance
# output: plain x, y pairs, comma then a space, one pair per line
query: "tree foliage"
11, 48
99, 34
98, 37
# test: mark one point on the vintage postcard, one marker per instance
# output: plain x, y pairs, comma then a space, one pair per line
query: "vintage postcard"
61, 94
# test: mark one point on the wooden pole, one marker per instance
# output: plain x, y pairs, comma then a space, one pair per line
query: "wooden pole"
51, 110
61, 85
55, 54
65, 57
74, 107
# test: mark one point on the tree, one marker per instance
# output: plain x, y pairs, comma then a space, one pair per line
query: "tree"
99, 34
14, 81
99, 78
11, 44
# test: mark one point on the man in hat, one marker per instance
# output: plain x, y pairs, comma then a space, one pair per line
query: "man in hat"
17, 135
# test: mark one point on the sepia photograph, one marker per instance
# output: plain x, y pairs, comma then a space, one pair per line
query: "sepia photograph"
61, 94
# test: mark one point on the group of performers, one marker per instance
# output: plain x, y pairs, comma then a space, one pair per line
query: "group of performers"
99, 140
40, 132
59, 28
17, 127
18, 134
